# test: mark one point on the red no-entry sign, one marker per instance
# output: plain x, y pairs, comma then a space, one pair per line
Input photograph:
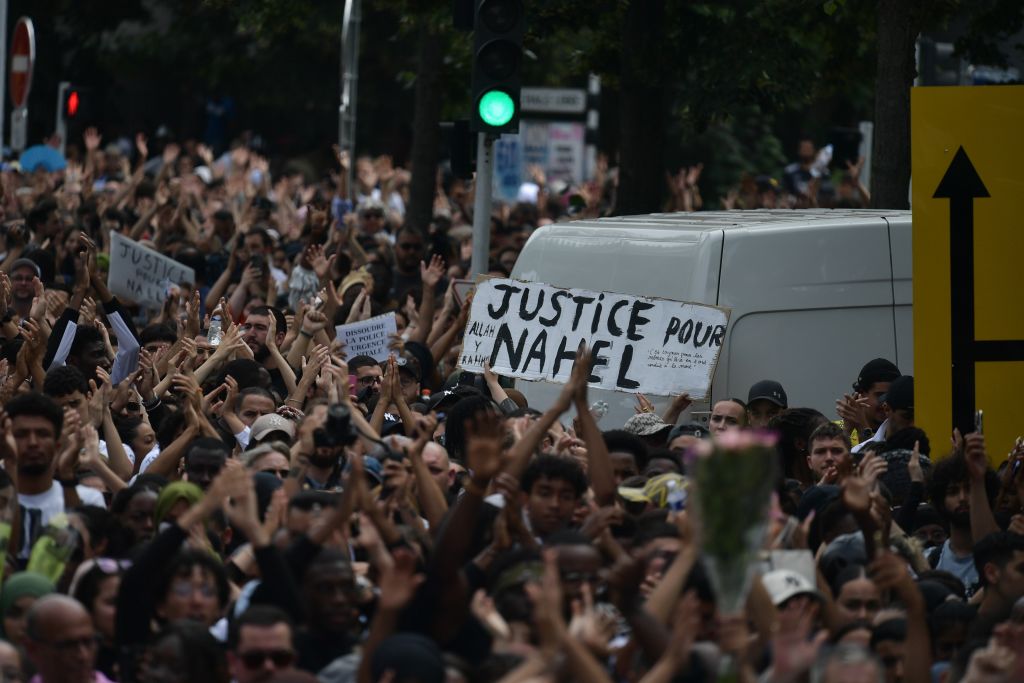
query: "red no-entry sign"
23, 57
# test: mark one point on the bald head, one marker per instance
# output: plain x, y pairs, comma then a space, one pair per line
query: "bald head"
49, 612
435, 457
61, 640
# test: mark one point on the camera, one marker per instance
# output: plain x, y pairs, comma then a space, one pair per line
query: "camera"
337, 431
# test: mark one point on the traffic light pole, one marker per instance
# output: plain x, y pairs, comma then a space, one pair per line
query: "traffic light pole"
482, 205
62, 122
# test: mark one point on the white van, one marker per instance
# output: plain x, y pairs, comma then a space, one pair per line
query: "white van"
814, 293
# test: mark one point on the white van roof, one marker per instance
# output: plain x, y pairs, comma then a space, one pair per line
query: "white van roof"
725, 220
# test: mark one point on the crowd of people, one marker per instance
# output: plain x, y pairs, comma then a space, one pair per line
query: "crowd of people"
219, 491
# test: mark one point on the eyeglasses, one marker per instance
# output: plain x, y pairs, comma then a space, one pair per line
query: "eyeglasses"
409, 245
370, 380
254, 659
373, 214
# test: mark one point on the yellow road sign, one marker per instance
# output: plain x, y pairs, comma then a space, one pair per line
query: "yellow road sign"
968, 201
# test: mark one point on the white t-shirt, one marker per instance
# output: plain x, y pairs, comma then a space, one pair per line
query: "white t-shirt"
37, 509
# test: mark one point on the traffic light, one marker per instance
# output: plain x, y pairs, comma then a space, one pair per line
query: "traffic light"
71, 104
76, 110
498, 29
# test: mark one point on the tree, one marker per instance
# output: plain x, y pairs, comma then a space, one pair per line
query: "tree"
899, 24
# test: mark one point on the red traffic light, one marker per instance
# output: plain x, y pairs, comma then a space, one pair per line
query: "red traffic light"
72, 103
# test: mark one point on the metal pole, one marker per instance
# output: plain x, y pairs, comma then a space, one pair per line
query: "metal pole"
482, 205
593, 120
62, 124
3, 67
349, 85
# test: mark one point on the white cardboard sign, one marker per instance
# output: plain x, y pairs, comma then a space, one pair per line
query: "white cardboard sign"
139, 274
531, 331
369, 337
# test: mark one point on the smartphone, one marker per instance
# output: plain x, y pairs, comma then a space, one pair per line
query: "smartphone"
979, 416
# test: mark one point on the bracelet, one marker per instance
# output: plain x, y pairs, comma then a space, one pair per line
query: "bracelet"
67, 483
305, 334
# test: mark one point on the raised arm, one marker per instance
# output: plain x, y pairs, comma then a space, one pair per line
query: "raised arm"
983, 521
602, 478
524, 449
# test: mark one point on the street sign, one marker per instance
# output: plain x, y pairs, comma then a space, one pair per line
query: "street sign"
553, 100
23, 58
968, 196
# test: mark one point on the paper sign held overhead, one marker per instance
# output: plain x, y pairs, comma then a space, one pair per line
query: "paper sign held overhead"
531, 331
142, 275
369, 337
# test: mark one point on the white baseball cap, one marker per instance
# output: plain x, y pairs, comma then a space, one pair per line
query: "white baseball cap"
783, 584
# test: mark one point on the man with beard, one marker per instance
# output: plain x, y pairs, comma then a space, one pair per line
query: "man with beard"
254, 334
46, 488
950, 494
23, 275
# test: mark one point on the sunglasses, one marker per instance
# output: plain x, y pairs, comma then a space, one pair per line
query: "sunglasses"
280, 474
406, 246
109, 565
254, 659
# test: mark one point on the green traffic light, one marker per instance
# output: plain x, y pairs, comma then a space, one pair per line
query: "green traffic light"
496, 108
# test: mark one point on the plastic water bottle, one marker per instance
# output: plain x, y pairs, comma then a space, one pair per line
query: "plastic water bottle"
213, 335
676, 498
599, 409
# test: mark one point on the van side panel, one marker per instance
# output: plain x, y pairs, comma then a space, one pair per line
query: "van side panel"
903, 291
810, 307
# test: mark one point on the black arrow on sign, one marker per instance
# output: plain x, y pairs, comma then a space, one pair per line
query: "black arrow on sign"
962, 185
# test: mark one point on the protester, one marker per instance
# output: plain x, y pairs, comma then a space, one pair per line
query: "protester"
215, 486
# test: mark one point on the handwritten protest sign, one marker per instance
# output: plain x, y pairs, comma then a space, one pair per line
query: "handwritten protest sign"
531, 331
369, 337
142, 275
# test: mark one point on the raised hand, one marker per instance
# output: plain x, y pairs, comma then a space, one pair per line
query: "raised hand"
974, 453
320, 263
142, 146
170, 153
592, 627
643, 405
793, 649
313, 322
398, 583
575, 390
853, 410
484, 437
92, 139
431, 274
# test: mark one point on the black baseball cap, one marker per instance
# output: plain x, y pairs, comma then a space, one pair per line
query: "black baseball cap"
901, 393
877, 370
689, 429
769, 390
